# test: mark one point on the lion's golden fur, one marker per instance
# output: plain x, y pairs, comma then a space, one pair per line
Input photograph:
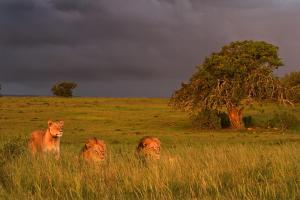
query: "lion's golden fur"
93, 150
47, 140
149, 147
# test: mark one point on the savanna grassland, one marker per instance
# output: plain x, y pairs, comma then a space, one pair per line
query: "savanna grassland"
195, 164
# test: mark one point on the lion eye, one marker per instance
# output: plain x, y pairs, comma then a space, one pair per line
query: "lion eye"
96, 151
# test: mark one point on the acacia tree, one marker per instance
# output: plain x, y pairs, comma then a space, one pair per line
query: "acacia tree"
63, 89
242, 70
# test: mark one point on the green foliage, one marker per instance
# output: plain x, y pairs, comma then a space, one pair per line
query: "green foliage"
64, 89
283, 120
225, 121
10, 151
292, 80
13, 149
211, 119
207, 119
241, 70
248, 121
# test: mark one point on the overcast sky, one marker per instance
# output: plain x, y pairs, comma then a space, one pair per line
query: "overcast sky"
142, 48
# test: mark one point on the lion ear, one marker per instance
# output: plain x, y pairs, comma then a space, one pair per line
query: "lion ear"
62, 123
90, 142
88, 145
50, 123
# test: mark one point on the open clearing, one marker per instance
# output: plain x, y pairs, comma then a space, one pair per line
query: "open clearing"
224, 164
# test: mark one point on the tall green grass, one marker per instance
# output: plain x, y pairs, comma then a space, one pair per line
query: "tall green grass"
195, 164
210, 172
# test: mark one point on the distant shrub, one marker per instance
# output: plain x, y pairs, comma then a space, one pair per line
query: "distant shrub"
248, 121
283, 120
207, 119
63, 89
225, 121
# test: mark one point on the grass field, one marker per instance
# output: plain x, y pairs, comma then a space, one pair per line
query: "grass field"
195, 164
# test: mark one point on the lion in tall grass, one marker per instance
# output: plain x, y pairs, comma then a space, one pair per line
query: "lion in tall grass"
149, 147
47, 140
94, 150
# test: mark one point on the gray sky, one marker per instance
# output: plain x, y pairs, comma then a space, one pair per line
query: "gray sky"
121, 48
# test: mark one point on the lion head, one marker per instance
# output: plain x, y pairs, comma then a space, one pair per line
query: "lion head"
149, 147
94, 150
55, 128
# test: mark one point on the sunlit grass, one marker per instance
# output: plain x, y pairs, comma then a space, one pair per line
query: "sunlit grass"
210, 172
195, 164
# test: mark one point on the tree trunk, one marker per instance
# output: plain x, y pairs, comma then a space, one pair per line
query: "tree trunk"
235, 116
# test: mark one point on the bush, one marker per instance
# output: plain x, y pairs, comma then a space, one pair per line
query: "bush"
12, 149
64, 89
283, 120
292, 80
207, 119
225, 121
296, 94
248, 121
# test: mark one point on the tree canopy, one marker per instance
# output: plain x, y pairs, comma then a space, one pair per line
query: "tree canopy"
241, 70
64, 89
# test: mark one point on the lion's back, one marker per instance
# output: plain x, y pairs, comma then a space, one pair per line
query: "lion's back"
35, 141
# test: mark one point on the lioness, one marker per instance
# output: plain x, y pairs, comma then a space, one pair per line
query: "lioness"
149, 147
48, 140
93, 150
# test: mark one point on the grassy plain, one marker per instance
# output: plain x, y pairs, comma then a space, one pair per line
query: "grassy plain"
195, 164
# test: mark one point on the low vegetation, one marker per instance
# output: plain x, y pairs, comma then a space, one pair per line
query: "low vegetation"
210, 172
292, 80
259, 163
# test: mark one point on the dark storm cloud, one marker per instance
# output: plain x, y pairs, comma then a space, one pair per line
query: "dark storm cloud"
15, 6
73, 5
142, 41
80, 73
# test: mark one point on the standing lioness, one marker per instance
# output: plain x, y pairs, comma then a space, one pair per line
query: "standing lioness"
48, 140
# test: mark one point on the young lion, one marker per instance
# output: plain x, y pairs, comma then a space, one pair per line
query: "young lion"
93, 150
48, 140
149, 147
